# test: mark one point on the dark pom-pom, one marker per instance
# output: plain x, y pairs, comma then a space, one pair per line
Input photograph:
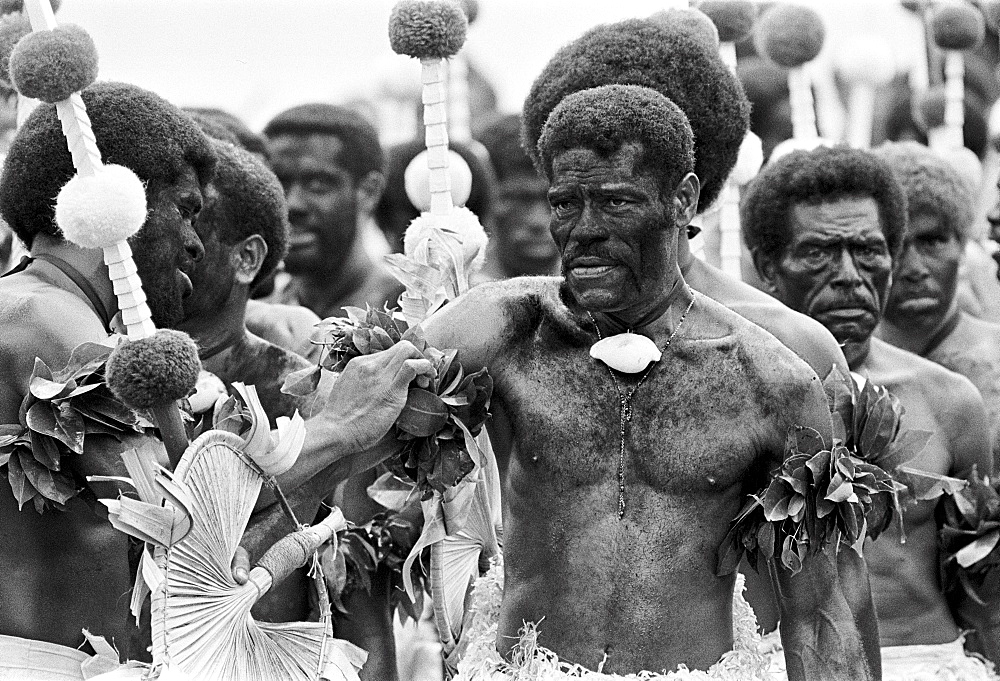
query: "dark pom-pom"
11, 6
471, 9
427, 28
958, 27
154, 371
733, 18
13, 27
790, 35
52, 65
928, 109
991, 11
691, 21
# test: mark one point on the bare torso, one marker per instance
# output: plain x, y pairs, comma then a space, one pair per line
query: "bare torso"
973, 350
709, 422
905, 583
64, 571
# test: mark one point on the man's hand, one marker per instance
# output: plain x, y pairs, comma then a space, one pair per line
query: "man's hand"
368, 396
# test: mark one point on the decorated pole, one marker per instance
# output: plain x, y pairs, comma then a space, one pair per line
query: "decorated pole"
102, 205
791, 36
734, 20
956, 29
865, 65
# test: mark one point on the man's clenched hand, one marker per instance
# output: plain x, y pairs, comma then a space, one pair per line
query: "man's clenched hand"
368, 396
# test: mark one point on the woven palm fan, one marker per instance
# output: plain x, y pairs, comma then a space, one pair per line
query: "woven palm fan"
442, 249
200, 616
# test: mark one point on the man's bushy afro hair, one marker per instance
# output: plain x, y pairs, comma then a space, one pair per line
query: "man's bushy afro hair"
252, 141
657, 55
362, 152
822, 175
502, 139
134, 128
248, 200
932, 185
606, 117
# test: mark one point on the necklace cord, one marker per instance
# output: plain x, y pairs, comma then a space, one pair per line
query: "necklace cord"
625, 401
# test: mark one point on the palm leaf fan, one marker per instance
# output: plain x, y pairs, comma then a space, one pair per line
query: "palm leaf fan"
200, 616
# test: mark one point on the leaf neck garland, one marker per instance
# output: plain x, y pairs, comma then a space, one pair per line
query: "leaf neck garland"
829, 495
59, 412
438, 424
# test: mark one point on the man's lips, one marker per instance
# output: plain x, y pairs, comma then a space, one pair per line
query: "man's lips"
588, 266
847, 313
301, 239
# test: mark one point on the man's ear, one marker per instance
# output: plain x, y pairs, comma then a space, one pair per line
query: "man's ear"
370, 188
249, 255
686, 199
767, 269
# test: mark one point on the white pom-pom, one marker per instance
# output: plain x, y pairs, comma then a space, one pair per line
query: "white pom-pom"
967, 165
750, 160
804, 144
417, 183
101, 210
461, 224
865, 60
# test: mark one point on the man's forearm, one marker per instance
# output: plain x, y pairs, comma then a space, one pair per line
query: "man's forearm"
818, 629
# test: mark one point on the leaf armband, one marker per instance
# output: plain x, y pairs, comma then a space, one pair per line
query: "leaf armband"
439, 423
386, 540
969, 540
60, 411
817, 497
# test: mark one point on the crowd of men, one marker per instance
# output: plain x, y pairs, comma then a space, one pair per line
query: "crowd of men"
618, 488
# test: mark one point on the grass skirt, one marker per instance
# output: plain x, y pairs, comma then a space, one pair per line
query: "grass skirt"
480, 660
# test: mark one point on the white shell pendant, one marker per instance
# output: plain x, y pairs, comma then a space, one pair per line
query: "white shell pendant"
628, 353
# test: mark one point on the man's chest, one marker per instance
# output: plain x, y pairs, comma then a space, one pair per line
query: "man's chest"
696, 422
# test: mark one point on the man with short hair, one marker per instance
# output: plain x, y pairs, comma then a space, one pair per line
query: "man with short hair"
520, 243
922, 314
68, 569
330, 163
824, 228
620, 487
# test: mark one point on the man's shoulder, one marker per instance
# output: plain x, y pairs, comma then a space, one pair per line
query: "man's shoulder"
44, 319
901, 369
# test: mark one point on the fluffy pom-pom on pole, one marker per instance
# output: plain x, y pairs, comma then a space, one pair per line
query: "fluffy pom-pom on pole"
427, 29
471, 9
152, 371
13, 27
97, 211
928, 110
416, 180
52, 65
693, 22
733, 18
958, 27
14, 6
790, 35
991, 12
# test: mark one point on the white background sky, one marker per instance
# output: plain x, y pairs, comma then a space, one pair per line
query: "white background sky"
257, 57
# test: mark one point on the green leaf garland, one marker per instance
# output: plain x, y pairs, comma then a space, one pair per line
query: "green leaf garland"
60, 411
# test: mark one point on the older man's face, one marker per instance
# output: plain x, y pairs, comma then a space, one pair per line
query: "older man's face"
167, 247
612, 227
926, 276
836, 267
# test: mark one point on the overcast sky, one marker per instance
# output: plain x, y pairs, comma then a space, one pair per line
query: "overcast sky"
257, 57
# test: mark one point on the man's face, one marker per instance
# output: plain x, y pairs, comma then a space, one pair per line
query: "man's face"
214, 275
926, 275
612, 227
322, 201
167, 247
521, 234
836, 267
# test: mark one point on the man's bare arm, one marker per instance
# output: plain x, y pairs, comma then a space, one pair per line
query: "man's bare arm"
828, 627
